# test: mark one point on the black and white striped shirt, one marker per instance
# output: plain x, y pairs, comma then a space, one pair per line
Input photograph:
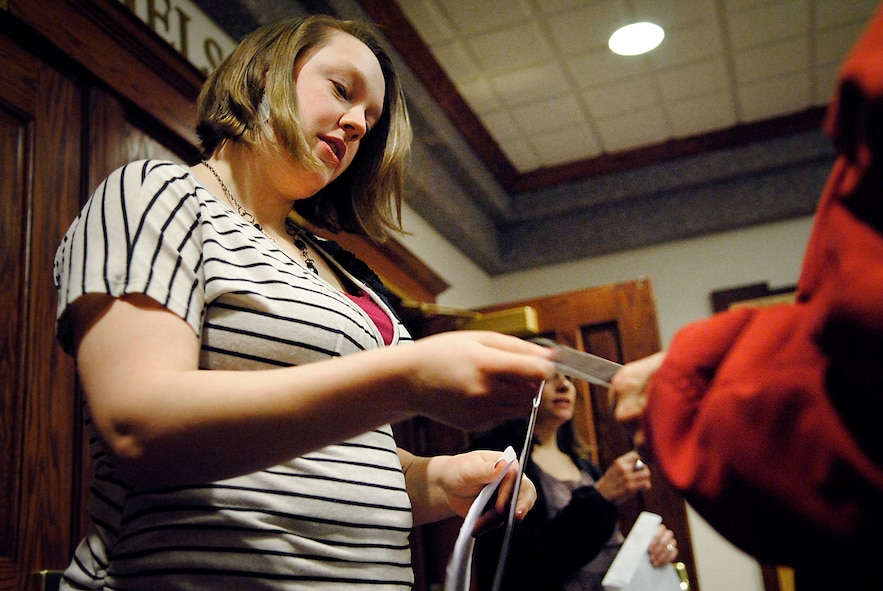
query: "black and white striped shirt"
338, 516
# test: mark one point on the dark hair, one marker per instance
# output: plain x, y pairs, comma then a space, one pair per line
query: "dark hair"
366, 199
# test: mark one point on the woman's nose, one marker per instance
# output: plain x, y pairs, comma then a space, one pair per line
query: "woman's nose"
354, 123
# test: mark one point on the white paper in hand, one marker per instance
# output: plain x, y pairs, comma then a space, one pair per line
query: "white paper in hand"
631, 569
459, 573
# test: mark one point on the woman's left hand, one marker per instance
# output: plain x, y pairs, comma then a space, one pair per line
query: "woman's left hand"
663, 547
443, 486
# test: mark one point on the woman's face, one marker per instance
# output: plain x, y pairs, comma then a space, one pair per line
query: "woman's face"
559, 397
340, 93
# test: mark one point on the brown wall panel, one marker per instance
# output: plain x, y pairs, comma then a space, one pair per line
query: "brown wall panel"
14, 150
41, 179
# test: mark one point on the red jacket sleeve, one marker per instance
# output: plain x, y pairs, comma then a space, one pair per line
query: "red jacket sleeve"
769, 420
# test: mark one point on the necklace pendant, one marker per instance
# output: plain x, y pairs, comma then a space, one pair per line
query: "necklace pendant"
301, 245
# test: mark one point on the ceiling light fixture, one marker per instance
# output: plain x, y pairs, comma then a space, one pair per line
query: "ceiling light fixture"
636, 39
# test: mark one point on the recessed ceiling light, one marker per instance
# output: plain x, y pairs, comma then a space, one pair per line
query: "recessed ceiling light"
636, 39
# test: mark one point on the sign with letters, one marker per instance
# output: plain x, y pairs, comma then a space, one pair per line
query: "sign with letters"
186, 28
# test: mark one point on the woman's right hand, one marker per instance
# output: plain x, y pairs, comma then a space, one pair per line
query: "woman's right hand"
475, 379
628, 392
624, 478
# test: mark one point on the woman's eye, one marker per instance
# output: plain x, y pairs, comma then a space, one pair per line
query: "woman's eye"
341, 89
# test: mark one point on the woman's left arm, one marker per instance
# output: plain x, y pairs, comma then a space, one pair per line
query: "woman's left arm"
445, 486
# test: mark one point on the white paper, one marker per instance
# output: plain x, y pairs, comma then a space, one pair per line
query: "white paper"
631, 569
459, 573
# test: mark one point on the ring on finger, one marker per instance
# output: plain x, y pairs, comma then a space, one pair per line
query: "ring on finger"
670, 547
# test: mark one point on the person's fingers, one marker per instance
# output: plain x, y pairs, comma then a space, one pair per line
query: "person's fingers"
663, 549
497, 511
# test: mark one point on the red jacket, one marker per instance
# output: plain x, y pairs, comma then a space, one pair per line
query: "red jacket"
770, 421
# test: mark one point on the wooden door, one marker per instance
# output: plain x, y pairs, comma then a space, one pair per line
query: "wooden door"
40, 141
617, 322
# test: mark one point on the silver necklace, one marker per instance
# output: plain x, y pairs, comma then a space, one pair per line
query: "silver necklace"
290, 229
299, 242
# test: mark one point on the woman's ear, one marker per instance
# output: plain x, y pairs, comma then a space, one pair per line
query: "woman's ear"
264, 110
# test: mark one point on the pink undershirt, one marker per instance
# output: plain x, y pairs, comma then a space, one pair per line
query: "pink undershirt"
376, 313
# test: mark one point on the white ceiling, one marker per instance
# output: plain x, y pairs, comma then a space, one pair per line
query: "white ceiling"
540, 77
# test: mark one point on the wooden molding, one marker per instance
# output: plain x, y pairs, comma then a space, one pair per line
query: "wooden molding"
112, 44
754, 294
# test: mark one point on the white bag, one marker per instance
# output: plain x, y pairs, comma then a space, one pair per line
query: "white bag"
631, 569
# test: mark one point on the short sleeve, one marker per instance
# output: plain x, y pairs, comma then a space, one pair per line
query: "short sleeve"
139, 233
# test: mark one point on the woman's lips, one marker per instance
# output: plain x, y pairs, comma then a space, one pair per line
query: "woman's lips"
335, 148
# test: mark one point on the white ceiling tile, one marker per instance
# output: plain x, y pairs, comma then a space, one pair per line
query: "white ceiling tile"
769, 22
549, 7
702, 78
759, 63
834, 13
776, 96
701, 114
516, 47
833, 45
601, 67
635, 129
480, 96
549, 115
566, 145
456, 61
742, 5
588, 27
521, 154
622, 97
685, 46
425, 17
475, 18
530, 84
501, 125
675, 15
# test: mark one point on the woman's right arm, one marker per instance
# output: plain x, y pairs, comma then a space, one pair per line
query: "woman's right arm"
165, 421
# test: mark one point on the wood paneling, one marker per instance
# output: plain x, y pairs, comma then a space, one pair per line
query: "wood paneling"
111, 44
15, 146
40, 159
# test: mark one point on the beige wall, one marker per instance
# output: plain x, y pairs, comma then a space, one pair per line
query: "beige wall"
683, 274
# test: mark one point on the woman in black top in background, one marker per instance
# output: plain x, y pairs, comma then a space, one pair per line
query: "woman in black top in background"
569, 539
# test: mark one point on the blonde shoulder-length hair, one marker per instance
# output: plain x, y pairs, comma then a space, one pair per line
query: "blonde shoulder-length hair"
367, 198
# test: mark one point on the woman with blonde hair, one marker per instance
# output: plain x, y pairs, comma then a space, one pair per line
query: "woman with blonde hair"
241, 372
